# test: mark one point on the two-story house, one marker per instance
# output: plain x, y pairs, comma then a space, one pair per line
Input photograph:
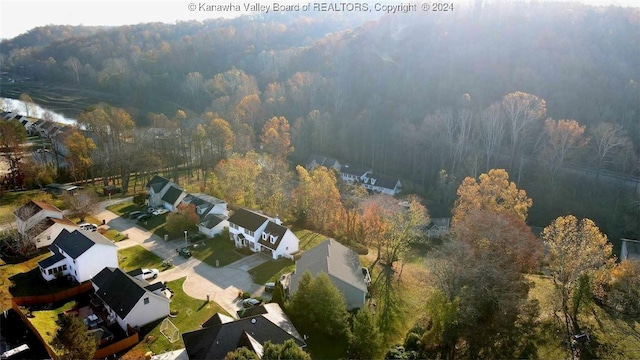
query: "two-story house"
211, 211
164, 193
41, 223
262, 234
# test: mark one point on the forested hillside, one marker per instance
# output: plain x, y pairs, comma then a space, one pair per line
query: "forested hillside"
409, 94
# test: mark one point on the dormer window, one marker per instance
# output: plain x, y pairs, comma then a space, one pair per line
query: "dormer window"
273, 239
264, 236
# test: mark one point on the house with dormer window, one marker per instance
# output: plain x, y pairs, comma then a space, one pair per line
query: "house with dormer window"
262, 234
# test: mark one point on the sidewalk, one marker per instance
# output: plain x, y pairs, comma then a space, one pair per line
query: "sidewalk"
219, 284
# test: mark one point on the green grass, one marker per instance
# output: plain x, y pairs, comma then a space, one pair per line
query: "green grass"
124, 208
115, 235
191, 314
45, 321
308, 238
271, 270
138, 257
219, 248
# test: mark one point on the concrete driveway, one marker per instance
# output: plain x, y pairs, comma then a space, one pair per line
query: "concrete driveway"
218, 284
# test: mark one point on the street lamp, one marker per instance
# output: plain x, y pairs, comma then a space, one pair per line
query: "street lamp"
186, 243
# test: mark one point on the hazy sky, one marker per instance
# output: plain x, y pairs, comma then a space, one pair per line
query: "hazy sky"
19, 16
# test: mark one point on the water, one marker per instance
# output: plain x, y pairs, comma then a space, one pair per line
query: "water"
17, 106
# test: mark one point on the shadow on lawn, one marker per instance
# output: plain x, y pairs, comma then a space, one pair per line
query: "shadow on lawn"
31, 283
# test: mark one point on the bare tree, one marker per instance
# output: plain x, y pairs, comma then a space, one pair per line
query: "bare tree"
522, 112
563, 137
74, 65
81, 203
491, 130
608, 140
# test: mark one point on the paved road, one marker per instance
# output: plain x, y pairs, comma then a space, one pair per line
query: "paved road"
219, 284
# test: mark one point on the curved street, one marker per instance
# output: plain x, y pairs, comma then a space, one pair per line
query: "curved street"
202, 280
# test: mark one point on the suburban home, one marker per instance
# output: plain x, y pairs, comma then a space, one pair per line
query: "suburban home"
343, 267
129, 301
317, 160
212, 211
262, 234
371, 181
164, 193
440, 224
352, 174
221, 334
79, 255
41, 222
630, 250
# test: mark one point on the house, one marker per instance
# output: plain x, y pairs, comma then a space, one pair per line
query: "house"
129, 301
317, 160
79, 255
212, 212
352, 174
47, 230
41, 222
440, 224
164, 193
341, 264
630, 250
370, 180
221, 334
262, 234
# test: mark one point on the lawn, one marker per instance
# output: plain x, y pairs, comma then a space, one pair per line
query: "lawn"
191, 314
219, 248
271, 270
13, 274
124, 208
308, 238
10, 200
45, 321
113, 234
138, 257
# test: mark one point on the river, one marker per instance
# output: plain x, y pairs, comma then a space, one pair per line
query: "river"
37, 112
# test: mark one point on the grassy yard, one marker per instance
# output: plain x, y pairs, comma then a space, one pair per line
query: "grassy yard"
124, 208
191, 314
10, 200
308, 238
113, 234
219, 248
138, 257
271, 270
45, 321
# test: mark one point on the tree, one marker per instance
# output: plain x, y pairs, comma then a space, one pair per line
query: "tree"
80, 149
278, 295
81, 203
221, 138
491, 130
241, 353
622, 289
576, 249
73, 64
289, 350
274, 186
365, 339
563, 137
494, 193
183, 219
608, 140
29, 105
12, 135
140, 198
318, 307
235, 179
276, 138
522, 112
73, 340
317, 199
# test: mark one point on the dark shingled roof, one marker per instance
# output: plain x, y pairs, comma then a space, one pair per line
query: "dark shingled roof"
52, 260
383, 181
247, 219
214, 342
273, 229
135, 272
321, 161
172, 194
352, 170
157, 183
210, 221
77, 242
118, 290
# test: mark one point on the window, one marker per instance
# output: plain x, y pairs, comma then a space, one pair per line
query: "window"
264, 236
64, 267
50, 271
233, 226
250, 233
146, 300
273, 239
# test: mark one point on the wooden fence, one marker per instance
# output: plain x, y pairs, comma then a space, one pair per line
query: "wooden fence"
53, 298
118, 346
25, 320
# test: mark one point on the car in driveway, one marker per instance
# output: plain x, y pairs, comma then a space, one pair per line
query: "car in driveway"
250, 302
88, 227
144, 217
269, 287
134, 214
184, 252
150, 273
159, 211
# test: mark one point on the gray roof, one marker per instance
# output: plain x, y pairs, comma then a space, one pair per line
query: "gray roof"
247, 219
119, 290
78, 242
157, 183
214, 342
322, 161
210, 221
351, 170
383, 181
51, 260
172, 194
273, 229
334, 259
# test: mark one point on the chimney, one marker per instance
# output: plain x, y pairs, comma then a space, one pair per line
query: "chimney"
277, 220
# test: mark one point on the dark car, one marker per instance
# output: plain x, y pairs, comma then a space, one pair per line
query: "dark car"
184, 252
196, 237
144, 217
134, 214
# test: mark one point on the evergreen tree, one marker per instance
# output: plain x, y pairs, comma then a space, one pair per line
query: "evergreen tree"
289, 351
365, 339
72, 339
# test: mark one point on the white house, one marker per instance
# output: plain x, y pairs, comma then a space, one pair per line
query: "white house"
32, 213
341, 264
317, 160
78, 254
629, 249
212, 211
129, 301
52, 228
370, 180
261, 233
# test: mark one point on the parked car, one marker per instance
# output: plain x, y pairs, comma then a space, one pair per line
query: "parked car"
184, 252
151, 209
159, 211
88, 227
144, 217
196, 237
251, 302
150, 273
269, 287
134, 214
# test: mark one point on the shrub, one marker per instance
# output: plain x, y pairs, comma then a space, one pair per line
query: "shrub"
246, 295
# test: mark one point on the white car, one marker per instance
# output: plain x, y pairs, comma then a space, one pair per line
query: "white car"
150, 273
160, 212
88, 227
251, 302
